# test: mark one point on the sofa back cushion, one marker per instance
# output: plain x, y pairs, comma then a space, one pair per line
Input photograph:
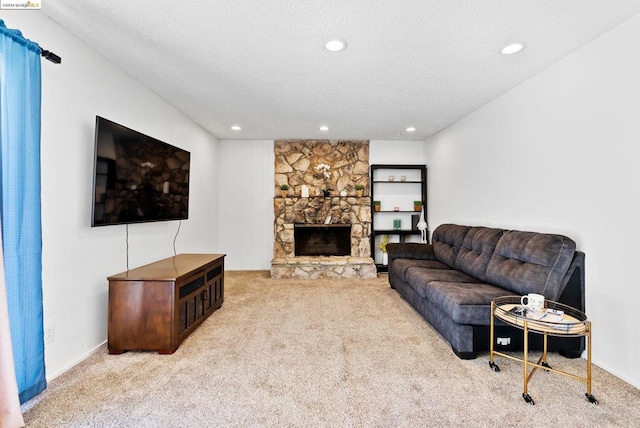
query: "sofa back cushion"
529, 262
447, 240
476, 251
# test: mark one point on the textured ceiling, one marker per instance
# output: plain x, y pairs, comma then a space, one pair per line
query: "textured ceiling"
262, 64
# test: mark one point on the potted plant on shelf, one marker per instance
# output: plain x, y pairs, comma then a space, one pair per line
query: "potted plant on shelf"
284, 190
382, 245
359, 189
376, 205
417, 205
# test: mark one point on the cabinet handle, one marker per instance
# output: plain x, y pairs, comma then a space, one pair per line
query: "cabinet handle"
205, 295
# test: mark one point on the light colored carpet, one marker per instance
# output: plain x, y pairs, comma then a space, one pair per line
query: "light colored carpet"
321, 353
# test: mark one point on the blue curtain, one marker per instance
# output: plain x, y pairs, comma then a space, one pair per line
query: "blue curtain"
20, 91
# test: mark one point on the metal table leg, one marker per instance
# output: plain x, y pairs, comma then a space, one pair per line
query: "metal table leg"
525, 363
492, 364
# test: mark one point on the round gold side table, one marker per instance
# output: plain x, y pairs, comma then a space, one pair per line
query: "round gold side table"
572, 323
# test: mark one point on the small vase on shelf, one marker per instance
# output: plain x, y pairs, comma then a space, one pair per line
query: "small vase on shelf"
385, 259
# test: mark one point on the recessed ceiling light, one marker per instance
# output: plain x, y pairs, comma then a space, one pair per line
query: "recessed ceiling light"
324, 128
335, 45
512, 48
411, 129
235, 128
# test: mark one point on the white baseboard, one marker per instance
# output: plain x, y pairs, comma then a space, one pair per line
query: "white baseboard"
52, 376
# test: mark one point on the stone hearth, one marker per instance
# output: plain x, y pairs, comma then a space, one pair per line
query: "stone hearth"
314, 267
295, 165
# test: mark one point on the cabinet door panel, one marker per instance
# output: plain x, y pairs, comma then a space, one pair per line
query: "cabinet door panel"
140, 314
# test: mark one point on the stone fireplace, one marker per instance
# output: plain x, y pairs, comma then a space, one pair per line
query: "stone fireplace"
322, 207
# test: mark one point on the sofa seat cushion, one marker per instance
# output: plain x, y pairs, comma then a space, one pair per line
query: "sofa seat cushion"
465, 303
401, 266
419, 278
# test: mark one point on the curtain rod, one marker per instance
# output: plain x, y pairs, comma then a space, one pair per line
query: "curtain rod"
51, 56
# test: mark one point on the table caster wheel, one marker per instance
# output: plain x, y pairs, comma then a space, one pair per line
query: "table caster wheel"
591, 399
494, 366
528, 399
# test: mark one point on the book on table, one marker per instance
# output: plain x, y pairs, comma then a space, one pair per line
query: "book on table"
554, 317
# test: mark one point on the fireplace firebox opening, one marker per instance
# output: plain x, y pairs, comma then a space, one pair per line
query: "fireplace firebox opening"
322, 240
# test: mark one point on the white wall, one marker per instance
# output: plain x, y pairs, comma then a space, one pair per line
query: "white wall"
77, 258
247, 190
397, 152
559, 154
245, 206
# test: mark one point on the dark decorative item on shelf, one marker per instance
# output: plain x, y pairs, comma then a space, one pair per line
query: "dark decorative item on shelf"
417, 205
284, 190
359, 190
415, 218
326, 192
376, 205
397, 224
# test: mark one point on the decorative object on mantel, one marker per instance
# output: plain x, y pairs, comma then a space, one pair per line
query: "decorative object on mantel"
284, 190
304, 191
359, 190
422, 227
382, 245
343, 192
417, 205
325, 172
327, 220
376, 205
324, 169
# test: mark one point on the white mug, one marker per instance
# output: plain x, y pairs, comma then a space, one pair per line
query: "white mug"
534, 302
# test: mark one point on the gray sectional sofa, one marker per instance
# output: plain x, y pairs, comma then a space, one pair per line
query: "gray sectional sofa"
452, 282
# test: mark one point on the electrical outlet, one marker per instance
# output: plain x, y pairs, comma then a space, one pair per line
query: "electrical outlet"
503, 341
50, 334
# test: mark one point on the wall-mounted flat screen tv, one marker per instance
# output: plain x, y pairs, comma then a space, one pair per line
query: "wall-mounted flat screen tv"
137, 178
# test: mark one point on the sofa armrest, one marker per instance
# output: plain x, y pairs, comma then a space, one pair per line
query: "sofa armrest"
573, 284
410, 250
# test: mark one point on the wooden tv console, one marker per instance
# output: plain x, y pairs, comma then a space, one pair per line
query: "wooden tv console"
156, 306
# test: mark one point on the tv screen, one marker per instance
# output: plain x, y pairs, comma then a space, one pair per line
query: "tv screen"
137, 178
